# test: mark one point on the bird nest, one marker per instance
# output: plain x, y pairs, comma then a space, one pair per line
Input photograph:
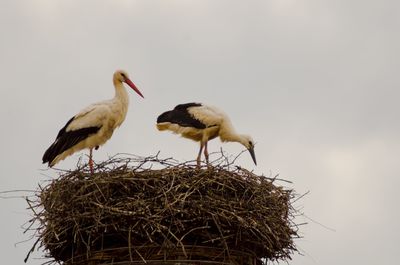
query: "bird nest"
158, 211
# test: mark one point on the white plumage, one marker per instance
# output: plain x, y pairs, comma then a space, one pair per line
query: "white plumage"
92, 126
202, 123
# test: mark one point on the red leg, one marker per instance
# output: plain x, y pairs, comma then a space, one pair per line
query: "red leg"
91, 161
206, 151
199, 155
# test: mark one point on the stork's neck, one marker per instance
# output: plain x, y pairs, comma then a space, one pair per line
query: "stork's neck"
234, 137
120, 93
228, 134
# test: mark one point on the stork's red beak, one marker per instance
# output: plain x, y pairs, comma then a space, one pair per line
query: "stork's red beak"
132, 85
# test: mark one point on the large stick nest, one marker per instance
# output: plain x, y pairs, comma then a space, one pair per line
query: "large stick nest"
147, 209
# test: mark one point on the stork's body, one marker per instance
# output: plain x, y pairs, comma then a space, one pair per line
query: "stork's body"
92, 126
202, 123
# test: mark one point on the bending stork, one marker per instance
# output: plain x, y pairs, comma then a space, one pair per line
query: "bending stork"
202, 123
92, 126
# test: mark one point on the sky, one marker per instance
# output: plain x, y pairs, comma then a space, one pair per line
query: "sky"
314, 82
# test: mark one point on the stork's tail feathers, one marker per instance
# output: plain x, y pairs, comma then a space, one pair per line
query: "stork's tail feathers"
49, 155
64, 144
165, 117
163, 126
164, 121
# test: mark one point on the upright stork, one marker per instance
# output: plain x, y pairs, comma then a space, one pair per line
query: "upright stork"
202, 123
92, 126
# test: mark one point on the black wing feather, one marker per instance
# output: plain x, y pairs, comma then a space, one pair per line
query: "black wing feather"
63, 129
180, 115
185, 106
66, 140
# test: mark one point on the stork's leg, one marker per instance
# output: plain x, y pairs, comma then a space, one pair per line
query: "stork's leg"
91, 161
206, 151
199, 155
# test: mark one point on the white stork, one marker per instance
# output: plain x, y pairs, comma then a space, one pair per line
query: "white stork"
92, 126
202, 123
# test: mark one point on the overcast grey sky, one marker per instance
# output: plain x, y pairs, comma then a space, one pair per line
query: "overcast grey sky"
315, 83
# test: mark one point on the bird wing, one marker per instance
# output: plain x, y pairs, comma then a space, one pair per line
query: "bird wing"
86, 123
180, 116
209, 116
94, 115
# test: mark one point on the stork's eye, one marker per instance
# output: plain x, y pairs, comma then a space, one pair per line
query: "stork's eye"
123, 75
250, 143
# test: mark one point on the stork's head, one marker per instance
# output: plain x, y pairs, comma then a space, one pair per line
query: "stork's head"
121, 76
248, 142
